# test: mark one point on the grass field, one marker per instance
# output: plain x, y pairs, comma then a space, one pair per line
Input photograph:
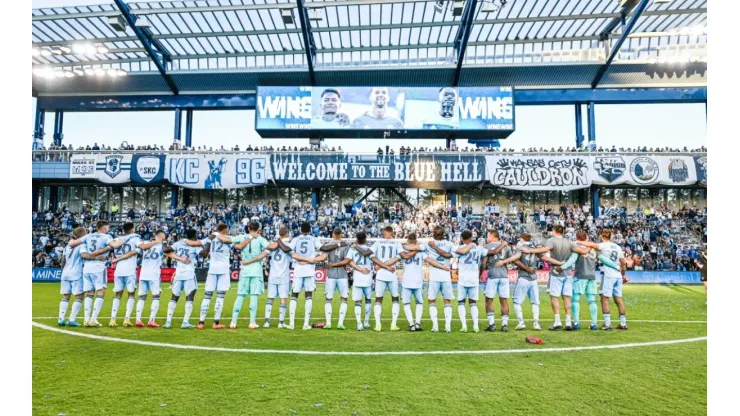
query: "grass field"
75, 375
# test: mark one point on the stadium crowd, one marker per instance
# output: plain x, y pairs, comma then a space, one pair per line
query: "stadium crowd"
654, 238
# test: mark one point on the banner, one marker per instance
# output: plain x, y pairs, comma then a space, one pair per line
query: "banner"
82, 166
46, 275
147, 168
700, 164
113, 168
421, 171
610, 170
675, 278
539, 173
643, 170
677, 170
214, 171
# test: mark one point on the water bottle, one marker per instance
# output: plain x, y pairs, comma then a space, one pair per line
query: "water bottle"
533, 340
318, 325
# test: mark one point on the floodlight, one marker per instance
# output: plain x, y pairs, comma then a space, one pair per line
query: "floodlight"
287, 15
117, 23
112, 72
99, 72
457, 8
121, 73
315, 14
102, 49
56, 51
78, 71
46, 52
35, 52
142, 22
89, 71
59, 74
439, 6
69, 74
489, 7
65, 49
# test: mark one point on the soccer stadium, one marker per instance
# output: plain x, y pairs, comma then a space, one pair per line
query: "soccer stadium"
370, 227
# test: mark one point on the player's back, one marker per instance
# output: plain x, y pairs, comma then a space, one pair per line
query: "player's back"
586, 266
335, 256
442, 245
72, 263
493, 271
151, 262
127, 267
385, 249
93, 242
219, 253
413, 270
361, 279
184, 271
614, 253
279, 263
305, 245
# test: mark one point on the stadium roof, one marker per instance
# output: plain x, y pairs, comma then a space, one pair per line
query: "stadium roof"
236, 45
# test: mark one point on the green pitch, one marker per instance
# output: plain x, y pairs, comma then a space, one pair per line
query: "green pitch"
82, 376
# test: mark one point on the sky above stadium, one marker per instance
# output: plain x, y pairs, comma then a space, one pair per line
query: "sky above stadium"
674, 125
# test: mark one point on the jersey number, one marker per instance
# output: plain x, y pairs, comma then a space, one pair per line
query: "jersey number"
304, 247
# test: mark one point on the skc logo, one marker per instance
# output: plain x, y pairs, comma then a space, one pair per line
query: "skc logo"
148, 167
113, 165
184, 171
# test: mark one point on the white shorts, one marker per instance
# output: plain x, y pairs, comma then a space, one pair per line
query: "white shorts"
188, 286
416, 292
73, 287
381, 286
146, 286
467, 293
610, 287
332, 285
94, 281
436, 287
124, 282
560, 286
498, 286
218, 282
307, 284
526, 289
359, 292
275, 290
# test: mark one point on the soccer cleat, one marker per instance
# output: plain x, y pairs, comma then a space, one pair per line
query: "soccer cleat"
328, 325
200, 326
306, 327
476, 329
576, 326
95, 323
622, 327
463, 329
418, 327
360, 327
127, 323
152, 324
86, 323
61, 322
606, 327
281, 326
139, 324
378, 328
554, 327
435, 329
232, 325
167, 325
491, 328
266, 325
290, 327
367, 325
253, 325
449, 331
73, 324
412, 328
568, 328
536, 326
521, 326
187, 325
341, 327
395, 328
218, 326
505, 328
112, 323
593, 327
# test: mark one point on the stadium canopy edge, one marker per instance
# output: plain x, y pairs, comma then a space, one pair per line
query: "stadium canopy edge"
248, 100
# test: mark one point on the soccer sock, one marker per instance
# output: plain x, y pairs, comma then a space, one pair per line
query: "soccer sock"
593, 308
448, 315
607, 319
97, 306
378, 310
461, 312
576, 307
171, 310
358, 313
474, 314
395, 311
623, 320
557, 320
268, 310
282, 312
491, 318
342, 312
155, 308
114, 310
253, 304
368, 308
433, 314
129, 307
63, 308
519, 313
218, 308
293, 306
327, 311
88, 306
407, 312
188, 311
204, 305
536, 313
140, 307
419, 312
75, 310
237, 308
567, 320
505, 320
309, 307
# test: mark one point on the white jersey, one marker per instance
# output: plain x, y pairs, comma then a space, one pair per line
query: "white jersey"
385, 250
468, 266
413, 270
91, 243
126, 267
361, 280
279, 266
73, 263
219, 252
435, 274
151, 262
306, 246
185, 271
614, 253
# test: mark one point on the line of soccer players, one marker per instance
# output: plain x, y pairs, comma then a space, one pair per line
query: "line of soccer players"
84, 275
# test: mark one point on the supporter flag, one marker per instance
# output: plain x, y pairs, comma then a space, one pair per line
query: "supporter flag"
147, 168
113, 168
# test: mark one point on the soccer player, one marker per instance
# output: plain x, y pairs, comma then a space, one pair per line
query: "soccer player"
218, 279
150, 277
526, 284
386, 278
94, 279
330, 105
611, 280
446, 117
440, 280
124, 276
497, 282
363, 279
184, 282
305, 246
376, 118
469, 265
337, 278
72, 278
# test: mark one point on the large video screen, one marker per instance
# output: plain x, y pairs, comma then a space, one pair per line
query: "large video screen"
347, 112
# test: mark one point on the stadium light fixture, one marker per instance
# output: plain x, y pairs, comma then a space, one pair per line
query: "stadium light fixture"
89, 71
59, 74
112, 72
287, 16
142, 22
99, 72
56, 51
35, 52
439, 6
315, 14
45, 52
78, 71
68, 74
457, 7
118, 23
102, 49
121, 73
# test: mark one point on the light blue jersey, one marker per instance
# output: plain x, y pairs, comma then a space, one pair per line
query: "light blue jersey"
435, 274
73, 263
151, 262
91, 243
185, 271
219, 252
127, 267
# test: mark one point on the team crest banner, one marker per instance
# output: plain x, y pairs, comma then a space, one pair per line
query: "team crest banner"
700, 163
610, 170
216, 171
677, 170
147, 168
540, 173
113, 168
82, 166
